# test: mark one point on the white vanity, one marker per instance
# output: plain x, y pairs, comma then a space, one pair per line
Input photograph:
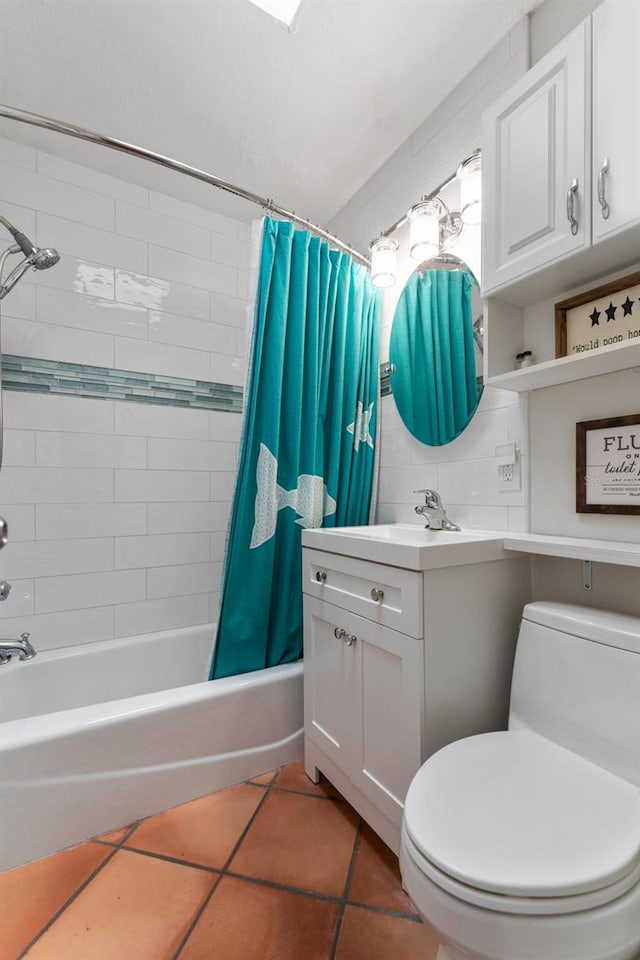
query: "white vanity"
409, 637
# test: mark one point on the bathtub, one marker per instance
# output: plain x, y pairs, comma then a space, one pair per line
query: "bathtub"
95, 736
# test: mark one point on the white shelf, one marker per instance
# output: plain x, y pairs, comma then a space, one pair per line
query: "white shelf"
575, 548
619, 356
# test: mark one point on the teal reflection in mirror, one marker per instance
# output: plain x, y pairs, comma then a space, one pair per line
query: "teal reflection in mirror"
432, 351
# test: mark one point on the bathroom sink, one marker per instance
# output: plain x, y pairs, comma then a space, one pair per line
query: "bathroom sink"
408, 545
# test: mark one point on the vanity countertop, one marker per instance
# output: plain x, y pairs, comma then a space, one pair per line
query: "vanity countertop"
413, 547
408, 545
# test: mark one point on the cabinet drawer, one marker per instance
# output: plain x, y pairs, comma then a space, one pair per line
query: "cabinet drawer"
352, 585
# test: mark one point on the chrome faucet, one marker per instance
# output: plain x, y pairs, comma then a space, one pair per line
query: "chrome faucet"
21, 649
433, 512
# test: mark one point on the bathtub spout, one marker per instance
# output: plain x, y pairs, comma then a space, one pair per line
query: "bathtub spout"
21, 649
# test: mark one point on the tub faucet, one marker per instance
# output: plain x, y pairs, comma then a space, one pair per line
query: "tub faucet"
433, 512
21, 649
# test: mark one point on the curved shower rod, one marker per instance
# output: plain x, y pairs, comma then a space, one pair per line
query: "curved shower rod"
80, 133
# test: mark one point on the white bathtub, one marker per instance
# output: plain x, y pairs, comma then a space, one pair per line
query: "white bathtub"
93, 737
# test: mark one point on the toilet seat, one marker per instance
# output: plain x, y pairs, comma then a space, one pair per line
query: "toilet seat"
512, 822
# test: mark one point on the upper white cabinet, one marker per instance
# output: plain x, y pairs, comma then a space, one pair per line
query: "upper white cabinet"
535, 166
616, 117
561, 174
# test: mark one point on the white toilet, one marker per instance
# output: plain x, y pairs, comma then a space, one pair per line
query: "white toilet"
525, 844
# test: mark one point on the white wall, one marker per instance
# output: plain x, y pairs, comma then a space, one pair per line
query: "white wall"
464, 471
117, 510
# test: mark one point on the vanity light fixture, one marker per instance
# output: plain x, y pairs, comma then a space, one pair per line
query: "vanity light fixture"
432, 225
424, 230
469, 175
384, 252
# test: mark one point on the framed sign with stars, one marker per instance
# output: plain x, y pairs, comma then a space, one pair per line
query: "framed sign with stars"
600, 318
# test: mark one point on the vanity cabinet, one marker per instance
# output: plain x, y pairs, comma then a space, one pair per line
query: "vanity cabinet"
399, 662
362, 698
561, 152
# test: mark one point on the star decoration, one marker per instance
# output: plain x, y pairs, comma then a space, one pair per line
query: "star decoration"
360, 426
595, 318
627, 306
611, 311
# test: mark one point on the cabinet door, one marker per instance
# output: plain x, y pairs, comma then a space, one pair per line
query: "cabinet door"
328, 676
534, 147
616, 116
386, 714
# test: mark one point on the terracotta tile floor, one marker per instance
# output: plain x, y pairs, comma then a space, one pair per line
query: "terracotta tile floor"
274, 869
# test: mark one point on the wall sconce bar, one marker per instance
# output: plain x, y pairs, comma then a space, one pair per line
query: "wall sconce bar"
432, 196
433, 225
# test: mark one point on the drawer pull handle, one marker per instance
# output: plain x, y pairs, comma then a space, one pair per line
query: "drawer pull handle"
377, 594
350, 639
339, 633
321, 576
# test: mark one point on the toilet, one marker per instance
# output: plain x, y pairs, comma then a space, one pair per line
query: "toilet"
525, 844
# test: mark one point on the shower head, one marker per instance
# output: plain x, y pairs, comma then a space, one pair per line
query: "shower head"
45, 257
40, 258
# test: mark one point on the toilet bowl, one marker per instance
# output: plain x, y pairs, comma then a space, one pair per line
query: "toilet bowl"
525, 844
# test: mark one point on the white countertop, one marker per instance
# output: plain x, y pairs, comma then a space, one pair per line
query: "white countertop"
413, 547
407, 545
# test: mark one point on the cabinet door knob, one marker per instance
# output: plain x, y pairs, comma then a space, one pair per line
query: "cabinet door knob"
350, 639
339, 633
321, 576
571, 193
377, 594
602, 200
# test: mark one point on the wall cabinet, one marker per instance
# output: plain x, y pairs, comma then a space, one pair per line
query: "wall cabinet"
573, 121
616, 117
561, 173
535, 166
397, 664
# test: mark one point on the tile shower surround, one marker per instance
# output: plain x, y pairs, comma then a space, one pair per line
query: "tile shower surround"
117, 509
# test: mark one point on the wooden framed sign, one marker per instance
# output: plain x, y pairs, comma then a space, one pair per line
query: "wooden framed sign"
599, 318
608, 465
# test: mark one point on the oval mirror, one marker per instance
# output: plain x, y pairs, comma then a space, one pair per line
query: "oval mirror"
435, 351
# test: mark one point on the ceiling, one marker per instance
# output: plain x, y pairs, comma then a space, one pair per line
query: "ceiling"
303, 115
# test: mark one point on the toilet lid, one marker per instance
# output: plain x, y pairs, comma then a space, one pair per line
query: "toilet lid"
516, 814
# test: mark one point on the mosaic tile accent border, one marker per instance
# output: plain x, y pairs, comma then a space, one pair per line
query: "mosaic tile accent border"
33, 375
385, 379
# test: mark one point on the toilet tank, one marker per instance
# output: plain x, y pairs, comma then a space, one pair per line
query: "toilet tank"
576, 681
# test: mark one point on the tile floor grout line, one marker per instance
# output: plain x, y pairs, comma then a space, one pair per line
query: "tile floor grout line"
223, 872
276, 885
347, 884
120, 843
328, 897
314, 796
76, 893
388, 911
169, 859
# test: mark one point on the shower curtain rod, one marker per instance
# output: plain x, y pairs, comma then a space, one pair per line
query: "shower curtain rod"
80, 133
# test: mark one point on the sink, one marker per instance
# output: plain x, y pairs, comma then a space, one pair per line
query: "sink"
408, 545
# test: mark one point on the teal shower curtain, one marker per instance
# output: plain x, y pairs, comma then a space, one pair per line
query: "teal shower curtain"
433, 333
307, 451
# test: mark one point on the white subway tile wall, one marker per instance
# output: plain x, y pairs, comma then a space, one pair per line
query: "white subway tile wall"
117, 511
